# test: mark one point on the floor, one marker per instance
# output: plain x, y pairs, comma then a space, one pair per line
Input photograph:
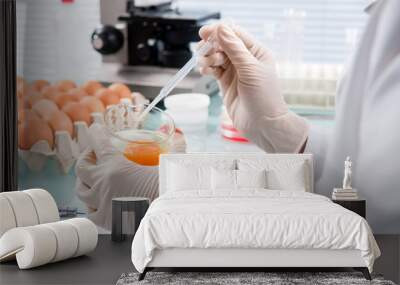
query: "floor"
110, 260
389, 262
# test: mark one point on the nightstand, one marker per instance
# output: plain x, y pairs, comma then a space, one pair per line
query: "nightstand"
357, 206
137, 205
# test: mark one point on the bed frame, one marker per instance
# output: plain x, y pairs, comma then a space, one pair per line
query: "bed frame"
245, 259
234, 259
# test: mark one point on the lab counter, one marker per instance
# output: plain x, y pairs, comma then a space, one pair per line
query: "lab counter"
62, 186
148, 80
213, 141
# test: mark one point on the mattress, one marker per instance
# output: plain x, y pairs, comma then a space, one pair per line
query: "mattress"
250, 219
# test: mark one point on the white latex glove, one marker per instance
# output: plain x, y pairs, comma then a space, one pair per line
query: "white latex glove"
248, 80
103, 173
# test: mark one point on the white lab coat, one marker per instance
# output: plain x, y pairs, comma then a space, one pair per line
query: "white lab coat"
367, 123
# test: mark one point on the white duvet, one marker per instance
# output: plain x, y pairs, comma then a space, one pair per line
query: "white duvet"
250, 219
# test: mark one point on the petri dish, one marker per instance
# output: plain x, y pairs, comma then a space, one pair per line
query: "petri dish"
141, 141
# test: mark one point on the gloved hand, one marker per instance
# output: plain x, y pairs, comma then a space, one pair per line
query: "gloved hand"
102, 174
248, 80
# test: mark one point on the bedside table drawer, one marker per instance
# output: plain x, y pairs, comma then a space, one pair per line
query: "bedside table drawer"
356, 206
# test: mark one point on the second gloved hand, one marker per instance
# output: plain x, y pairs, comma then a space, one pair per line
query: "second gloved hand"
247, 78
103, 173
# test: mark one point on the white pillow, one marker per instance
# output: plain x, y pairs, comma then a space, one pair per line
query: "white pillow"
292, 179
223, 179
230, 180
188, 177
193, 174
251, 178
282, 174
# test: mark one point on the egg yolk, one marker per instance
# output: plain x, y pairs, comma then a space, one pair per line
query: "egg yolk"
144, 153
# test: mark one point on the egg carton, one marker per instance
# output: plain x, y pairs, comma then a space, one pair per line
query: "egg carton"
66, 149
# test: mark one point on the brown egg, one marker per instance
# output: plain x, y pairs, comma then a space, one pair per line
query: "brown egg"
62, 99
32, 131
107, 96
77, 112
65, 85
121, 89
45, 108
20, 80
38, 85
27, 115
92, 86
22, 86
59, 121
50, 92
94, 104
21, 90
21, 113
33, 97
20, 102
77, 93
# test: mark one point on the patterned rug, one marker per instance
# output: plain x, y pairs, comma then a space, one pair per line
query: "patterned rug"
244, 278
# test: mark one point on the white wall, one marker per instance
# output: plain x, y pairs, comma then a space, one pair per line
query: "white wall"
54, 39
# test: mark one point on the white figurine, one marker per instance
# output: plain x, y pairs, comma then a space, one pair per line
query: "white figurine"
347, 174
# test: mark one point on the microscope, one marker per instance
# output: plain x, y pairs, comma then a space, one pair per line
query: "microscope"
143, 43
150, 33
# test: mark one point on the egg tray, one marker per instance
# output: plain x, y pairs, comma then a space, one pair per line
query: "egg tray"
66, 149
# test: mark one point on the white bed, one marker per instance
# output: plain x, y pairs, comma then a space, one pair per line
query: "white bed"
208, 227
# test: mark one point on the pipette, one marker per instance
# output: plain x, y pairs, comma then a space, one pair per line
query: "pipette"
178, 77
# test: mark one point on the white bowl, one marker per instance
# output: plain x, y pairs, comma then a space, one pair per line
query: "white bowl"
188, 109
